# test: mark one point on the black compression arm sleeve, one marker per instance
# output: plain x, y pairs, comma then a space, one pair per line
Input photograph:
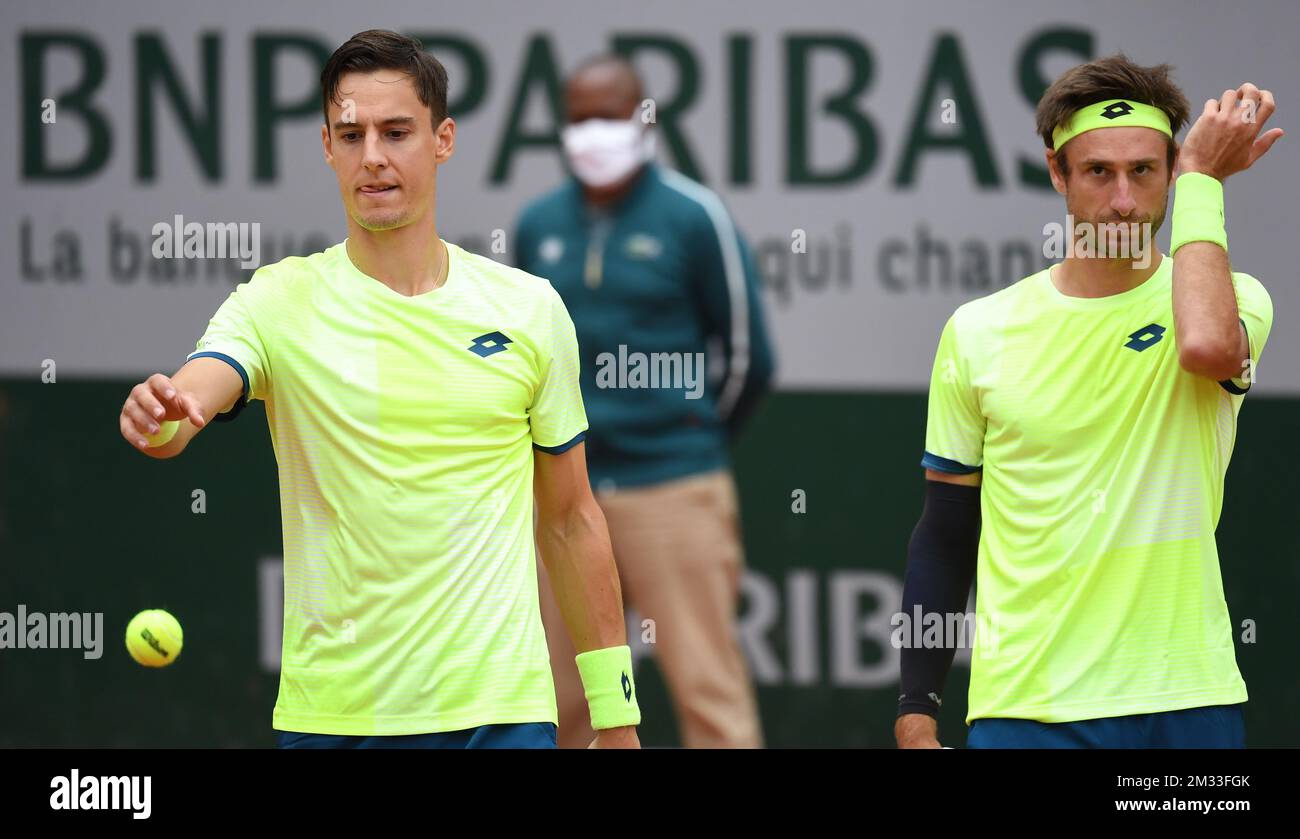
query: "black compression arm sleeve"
941, 559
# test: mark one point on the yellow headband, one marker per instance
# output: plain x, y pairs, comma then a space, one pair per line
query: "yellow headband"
1112, 113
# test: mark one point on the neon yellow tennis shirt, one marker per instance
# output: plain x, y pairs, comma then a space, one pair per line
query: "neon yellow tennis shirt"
1098, 588
404, 430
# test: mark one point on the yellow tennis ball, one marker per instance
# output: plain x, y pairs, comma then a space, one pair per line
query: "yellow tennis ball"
153, 638
166, 431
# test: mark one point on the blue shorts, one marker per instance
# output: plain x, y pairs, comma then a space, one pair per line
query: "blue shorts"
1216, 727
529, 735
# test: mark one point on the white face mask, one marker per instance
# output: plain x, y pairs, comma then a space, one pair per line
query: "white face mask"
602, 152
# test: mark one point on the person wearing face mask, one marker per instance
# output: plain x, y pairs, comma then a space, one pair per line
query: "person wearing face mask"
657, 279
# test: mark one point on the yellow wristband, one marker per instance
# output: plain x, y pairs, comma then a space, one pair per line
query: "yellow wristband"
166, 431
611, 693
1198, 212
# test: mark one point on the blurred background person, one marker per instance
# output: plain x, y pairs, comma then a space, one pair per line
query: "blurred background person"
657, 279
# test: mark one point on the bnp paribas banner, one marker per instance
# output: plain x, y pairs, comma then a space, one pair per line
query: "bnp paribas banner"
882, 161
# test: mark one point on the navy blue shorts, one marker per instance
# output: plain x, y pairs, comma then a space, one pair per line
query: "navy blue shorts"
1216, 727
528, 735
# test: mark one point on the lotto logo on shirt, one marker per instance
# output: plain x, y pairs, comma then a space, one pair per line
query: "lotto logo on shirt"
490, 344
1147, 336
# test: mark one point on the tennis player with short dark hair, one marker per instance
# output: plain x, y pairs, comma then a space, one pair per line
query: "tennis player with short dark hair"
420, 398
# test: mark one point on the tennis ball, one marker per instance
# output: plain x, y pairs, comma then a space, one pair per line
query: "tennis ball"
166, 431
153, 638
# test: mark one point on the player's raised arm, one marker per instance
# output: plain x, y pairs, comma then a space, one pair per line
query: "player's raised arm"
1226, 139
201, 389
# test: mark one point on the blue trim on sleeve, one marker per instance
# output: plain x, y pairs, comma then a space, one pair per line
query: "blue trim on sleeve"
1228, 384
563, 447
243, 374
1232, 387
943, 464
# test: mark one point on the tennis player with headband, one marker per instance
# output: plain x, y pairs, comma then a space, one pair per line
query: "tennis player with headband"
1080, 425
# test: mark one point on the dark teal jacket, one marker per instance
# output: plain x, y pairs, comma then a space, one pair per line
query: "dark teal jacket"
663, 272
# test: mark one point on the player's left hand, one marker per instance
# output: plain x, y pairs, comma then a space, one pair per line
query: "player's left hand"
616, 738
1226, 139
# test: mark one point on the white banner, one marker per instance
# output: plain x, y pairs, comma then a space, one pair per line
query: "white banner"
895, 141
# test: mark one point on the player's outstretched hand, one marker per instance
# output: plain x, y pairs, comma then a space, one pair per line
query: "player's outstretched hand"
1226, 139
917, 731
152, 402
616, 738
